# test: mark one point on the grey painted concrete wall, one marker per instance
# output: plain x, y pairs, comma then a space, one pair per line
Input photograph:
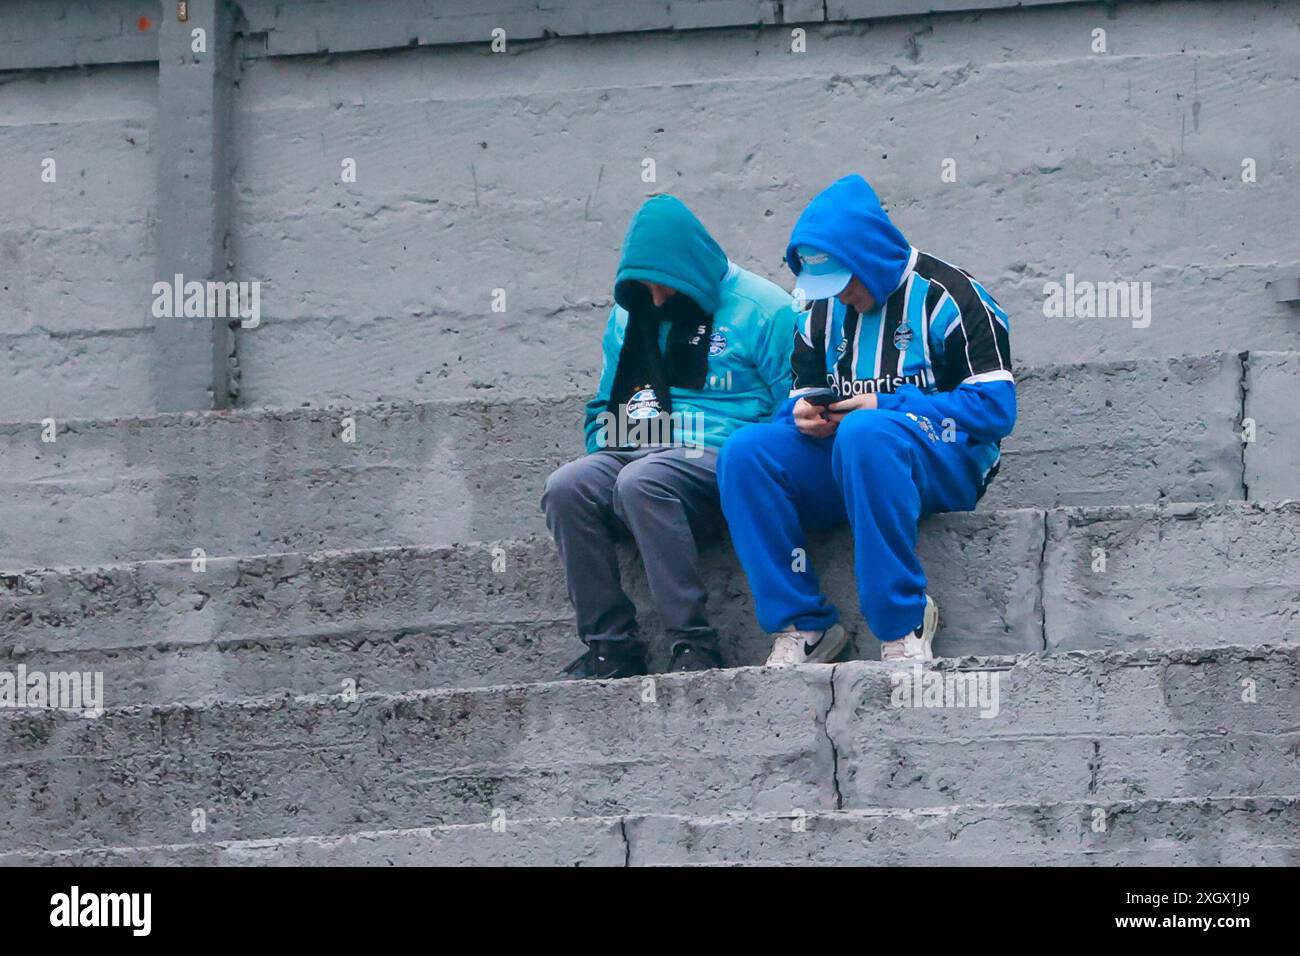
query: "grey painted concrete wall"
47, 34
77, 254
517, 171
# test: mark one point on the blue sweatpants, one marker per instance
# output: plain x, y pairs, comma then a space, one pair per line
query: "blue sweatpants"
882, 471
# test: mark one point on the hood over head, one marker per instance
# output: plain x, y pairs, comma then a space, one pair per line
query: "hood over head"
847, 221
666, 244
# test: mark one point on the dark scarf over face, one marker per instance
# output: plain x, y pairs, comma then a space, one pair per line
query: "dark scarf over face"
641, 365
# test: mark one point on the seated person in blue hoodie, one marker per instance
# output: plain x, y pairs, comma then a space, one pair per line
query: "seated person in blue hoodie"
695, 348
919, 356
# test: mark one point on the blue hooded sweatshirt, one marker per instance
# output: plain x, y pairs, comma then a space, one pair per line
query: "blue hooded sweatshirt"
753, 326
937, 343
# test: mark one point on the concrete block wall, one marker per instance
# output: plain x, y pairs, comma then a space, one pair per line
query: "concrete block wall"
443, 472
518, 171
478, 171
77, 254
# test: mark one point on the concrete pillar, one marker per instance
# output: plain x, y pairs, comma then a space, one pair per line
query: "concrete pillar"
194, 106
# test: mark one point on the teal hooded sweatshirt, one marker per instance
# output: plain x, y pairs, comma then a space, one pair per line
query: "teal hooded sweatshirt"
753, 326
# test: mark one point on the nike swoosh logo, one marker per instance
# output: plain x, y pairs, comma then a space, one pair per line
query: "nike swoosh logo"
808, 650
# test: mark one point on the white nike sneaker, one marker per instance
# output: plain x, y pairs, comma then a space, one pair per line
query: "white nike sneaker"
914, 647
806, 647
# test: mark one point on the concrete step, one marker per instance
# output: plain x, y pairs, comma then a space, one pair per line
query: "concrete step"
1083, 726
261, 481
1224, 831
489, 613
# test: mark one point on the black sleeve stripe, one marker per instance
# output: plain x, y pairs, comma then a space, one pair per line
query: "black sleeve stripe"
808, 360
889, 352
933, 296
848, 362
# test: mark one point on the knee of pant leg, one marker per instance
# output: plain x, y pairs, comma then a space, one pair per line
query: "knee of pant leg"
637, 482
562, 489
741, 451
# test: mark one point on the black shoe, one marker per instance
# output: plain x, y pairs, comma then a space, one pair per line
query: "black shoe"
694, 657
606, 661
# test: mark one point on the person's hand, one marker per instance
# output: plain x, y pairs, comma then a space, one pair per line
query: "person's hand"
836, 411
812, 420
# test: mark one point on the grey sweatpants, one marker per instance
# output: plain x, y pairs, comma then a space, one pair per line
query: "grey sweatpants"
665, 501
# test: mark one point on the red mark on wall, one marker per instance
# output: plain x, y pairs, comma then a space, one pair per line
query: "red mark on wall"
143, 24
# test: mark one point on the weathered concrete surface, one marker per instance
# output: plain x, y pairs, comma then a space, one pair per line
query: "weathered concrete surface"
1183, 575
1123, 166
1273, 404
1128, 432
58, 33
518, 172
1204, 832
289, 28
1233, 831
258, 481
193, 355
76, 254
1097, 727
1115, 726
297, 766
249, 482
404, 619
597, 841
55, 33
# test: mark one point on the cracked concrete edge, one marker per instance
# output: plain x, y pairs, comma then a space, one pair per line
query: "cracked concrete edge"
776, 742
1270, 387
1092, 664
1109, 829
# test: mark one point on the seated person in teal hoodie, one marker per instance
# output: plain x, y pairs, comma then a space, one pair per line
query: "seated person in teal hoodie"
695, 348
915, 358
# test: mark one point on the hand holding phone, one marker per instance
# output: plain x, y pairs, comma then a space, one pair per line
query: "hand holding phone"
810, 415
821, 396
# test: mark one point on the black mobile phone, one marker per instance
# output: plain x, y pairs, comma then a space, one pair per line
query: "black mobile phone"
821, 396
